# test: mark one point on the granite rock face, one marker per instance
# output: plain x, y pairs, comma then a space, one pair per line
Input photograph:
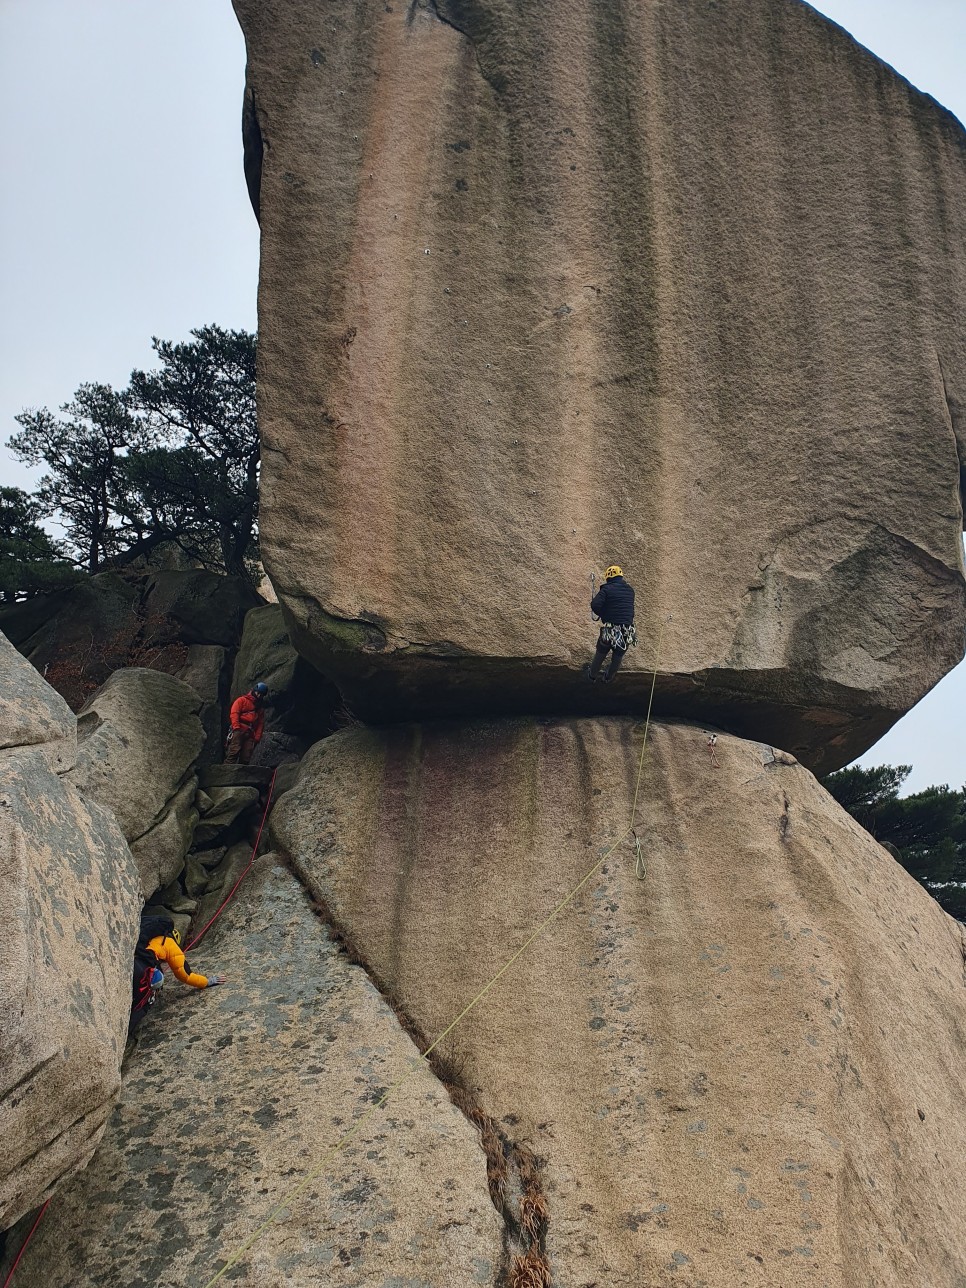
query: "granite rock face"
746, 1068
184, 622
676, 288
139, 740
279, 1063
206, 670
34, 716
301, 701
69, 905
83, 632
205, 607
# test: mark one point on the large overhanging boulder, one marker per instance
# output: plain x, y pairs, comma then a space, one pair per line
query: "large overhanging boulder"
551, 285
745, 1068
69, 904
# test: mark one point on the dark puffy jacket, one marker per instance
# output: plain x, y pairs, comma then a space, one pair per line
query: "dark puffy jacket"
614, 602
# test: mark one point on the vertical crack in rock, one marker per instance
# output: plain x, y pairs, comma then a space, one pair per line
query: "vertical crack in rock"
784, 823
515, 1184
512, 1170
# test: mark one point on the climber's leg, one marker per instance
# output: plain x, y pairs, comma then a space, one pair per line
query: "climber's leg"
615, 663
599, 655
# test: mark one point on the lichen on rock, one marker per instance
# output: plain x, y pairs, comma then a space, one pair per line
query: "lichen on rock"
69, 902
234, 1096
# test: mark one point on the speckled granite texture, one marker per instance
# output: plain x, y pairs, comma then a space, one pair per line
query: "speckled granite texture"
234, 1094
69, 904
551, 284
746, 1069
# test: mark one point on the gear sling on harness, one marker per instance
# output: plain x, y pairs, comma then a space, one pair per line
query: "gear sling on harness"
618, 637
615, 639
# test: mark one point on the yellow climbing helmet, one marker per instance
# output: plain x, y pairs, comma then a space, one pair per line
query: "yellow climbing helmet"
613, 571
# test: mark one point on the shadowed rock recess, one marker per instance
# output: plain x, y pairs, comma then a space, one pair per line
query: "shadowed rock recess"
745, 1069
550, 285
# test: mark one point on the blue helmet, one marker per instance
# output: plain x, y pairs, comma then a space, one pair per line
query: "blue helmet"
260, 688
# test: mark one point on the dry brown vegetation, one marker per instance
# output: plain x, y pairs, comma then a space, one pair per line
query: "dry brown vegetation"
532, 1270
154, 645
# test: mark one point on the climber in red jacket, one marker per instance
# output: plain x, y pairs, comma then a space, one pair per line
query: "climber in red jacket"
247, 724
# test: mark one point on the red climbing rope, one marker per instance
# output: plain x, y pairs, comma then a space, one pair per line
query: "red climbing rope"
191, 942
6, 1282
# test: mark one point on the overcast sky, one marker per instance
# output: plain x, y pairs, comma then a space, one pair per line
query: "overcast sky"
125, 213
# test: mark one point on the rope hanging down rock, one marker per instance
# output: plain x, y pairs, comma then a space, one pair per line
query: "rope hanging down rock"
26, 1245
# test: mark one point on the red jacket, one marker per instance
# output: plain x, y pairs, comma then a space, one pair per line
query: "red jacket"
247, 715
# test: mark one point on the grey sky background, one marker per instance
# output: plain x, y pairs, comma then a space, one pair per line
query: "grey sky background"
125, 213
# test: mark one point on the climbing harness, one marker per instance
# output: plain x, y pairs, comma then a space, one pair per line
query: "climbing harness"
619, 637
154, 981
298, 1190
712, 744
145, 969
616, 636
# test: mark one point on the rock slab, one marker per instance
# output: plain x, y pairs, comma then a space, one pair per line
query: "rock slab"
140, 736
745, 1069
676, 288
34, 716
69, 904
278, 1064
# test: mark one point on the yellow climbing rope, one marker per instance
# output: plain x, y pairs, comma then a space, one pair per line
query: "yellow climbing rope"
298, 1190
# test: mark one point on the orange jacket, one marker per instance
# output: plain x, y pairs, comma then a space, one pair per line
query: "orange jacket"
248, 716
166, 950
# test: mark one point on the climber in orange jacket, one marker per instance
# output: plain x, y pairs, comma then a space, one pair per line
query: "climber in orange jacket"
247, 725
158, 942
167, 949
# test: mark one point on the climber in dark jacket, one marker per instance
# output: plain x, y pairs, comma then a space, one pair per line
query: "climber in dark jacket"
614, 605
